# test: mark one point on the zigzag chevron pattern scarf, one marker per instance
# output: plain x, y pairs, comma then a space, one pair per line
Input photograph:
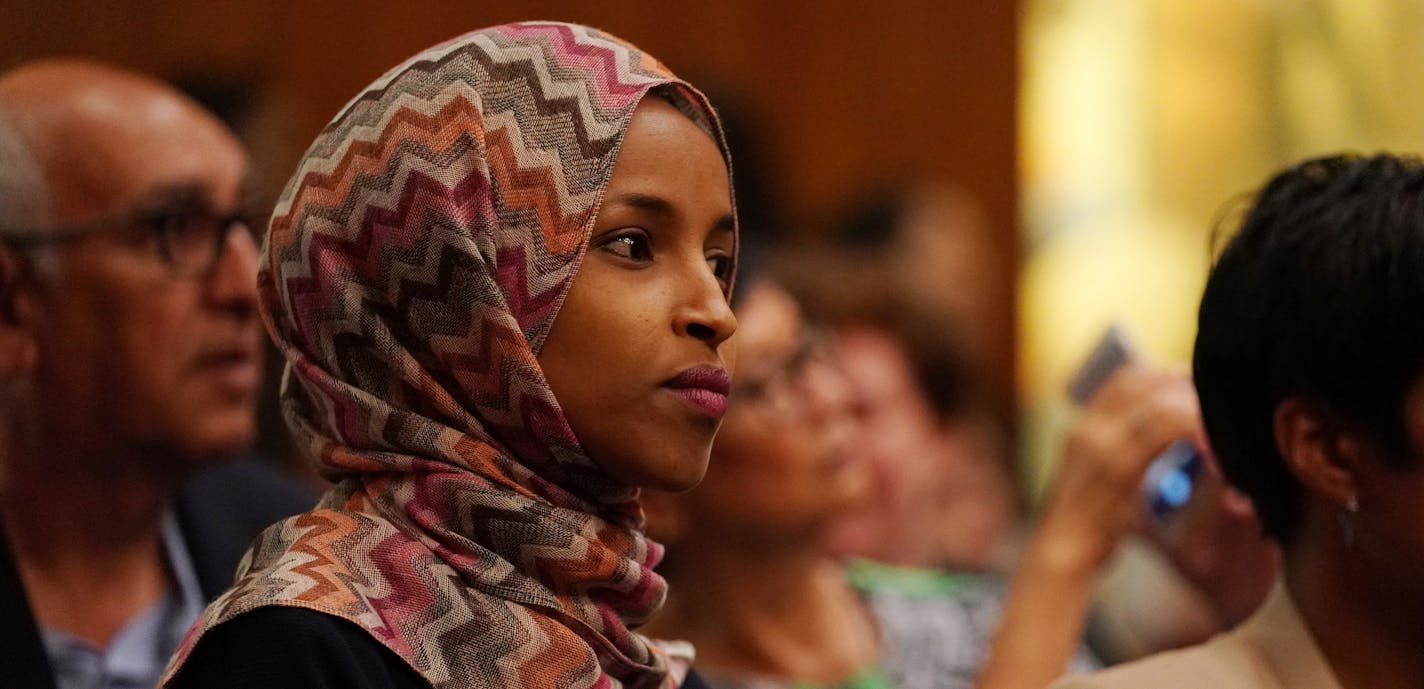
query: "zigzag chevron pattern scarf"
414, 265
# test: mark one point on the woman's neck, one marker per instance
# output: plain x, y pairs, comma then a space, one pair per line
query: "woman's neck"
788, 614
1366, 626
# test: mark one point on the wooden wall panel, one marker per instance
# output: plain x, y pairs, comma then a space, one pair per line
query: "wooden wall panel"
847, 94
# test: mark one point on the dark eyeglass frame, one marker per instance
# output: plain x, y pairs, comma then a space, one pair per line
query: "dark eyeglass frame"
816, 344
178, 225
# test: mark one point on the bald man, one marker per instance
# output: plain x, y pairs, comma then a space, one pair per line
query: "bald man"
129, 359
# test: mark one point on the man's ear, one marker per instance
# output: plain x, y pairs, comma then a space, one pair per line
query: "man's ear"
1317, 449
18, 351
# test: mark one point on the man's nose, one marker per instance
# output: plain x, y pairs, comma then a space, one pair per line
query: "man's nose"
233, 282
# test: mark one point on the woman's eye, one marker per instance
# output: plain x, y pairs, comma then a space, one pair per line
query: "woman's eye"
631, 246
721, 267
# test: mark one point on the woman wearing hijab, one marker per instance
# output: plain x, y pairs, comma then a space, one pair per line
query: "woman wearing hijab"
500, 280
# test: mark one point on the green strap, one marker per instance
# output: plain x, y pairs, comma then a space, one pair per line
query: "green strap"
868, 576
869, 678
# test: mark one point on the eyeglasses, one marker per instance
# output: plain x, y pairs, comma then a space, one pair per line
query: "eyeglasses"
786, 382
187, 235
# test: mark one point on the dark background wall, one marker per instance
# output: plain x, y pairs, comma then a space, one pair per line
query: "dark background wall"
840, 95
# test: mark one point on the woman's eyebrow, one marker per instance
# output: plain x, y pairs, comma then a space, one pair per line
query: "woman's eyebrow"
663, 207
646, 202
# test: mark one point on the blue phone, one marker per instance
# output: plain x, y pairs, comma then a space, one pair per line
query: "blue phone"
1171, 478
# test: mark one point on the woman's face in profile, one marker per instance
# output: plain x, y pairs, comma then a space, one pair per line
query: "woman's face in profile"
638, 356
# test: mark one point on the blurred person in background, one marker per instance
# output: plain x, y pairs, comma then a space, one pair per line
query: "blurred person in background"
932, 464
1309, 362
914, 264
902, 283
754, 583
926, 246
129, 355
758, 588
1095, 503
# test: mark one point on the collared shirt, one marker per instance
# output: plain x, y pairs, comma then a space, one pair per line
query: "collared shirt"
137, 654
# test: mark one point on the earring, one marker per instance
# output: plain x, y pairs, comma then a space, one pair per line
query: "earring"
1347, 515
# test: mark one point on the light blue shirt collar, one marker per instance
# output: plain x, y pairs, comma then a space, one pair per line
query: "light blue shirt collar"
136, 656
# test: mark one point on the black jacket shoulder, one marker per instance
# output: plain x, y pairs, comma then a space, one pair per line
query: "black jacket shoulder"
281, 647
220, 511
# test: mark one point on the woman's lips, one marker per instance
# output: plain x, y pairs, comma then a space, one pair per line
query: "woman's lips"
705, 388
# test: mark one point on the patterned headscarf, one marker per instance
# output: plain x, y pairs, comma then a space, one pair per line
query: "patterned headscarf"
415, 264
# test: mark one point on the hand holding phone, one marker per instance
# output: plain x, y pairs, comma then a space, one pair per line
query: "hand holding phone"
1205, 529
1170, 480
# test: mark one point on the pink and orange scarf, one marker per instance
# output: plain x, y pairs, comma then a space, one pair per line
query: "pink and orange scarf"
414, 266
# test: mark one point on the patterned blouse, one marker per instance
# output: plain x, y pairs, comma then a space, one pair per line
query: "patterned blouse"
936, 628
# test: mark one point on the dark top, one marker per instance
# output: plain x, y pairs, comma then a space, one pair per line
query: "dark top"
281, 647
26, 664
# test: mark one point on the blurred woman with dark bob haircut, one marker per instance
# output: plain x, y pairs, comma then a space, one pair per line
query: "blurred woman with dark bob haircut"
1309, 364
500, 278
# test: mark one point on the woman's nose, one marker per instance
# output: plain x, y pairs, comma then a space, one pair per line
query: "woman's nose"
707, 315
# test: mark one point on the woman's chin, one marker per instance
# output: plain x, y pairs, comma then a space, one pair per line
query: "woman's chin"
682, 481
677, 476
